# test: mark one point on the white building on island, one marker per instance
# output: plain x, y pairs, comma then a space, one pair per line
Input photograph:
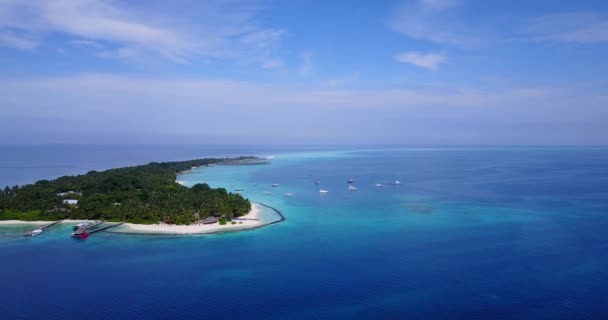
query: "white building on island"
67, 193
71, 202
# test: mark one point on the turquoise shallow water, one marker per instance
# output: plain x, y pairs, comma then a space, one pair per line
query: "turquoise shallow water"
470, 233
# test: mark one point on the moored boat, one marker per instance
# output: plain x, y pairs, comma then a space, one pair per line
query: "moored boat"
80, 233
352, 188
33, 233
85, 225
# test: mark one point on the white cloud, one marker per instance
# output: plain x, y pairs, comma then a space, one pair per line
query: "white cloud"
306, 66
213, 32
272, 64
342, 80
429, 61
85, 93
434, 21
8, 39
440, 4
578, 27
87, 43
106, 104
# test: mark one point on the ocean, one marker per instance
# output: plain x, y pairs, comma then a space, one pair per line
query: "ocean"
469, 233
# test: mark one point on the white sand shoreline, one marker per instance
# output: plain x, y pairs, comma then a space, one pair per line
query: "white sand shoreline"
37, 222
241, 224
254, 219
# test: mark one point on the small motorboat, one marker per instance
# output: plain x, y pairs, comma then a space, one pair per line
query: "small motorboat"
289, 194
349, 181
274, 185
397, 182
85, 225
352, 188
379, 185
33, 233
317, 182
81, 233
323, 191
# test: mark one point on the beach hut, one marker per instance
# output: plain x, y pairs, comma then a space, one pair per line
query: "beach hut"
210, 220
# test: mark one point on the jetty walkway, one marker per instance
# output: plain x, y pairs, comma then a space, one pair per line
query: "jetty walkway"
105, 227
33, 233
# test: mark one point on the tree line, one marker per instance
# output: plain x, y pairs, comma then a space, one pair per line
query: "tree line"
140, 194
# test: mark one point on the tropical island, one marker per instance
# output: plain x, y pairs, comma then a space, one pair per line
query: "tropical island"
141, 195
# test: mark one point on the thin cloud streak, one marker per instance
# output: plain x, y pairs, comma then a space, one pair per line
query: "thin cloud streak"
8, 39
440, 4
238, 94
433, 21
429, 61
576, 27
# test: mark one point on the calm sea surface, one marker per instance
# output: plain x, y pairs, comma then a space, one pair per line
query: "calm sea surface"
468, 234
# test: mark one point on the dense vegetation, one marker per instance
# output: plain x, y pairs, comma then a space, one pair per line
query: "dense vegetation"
140, 194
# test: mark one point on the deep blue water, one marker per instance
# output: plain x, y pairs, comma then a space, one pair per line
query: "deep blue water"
469, 234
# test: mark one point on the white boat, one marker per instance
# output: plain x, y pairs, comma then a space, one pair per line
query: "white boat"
397, 182
33, 233
85, 225
274, 185
323, 191
351, 187
288, 194
379, 185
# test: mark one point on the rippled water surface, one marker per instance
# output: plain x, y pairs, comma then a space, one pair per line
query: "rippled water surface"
469, 233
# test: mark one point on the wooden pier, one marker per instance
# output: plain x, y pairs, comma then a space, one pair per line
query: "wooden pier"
275, 210
51, 224
32, 233
105, 228
98, 222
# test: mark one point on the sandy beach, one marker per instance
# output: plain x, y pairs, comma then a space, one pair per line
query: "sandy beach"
10, 222
255, 218
39, 222
241, 224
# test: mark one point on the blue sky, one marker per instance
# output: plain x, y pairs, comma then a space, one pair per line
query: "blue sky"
418, 72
